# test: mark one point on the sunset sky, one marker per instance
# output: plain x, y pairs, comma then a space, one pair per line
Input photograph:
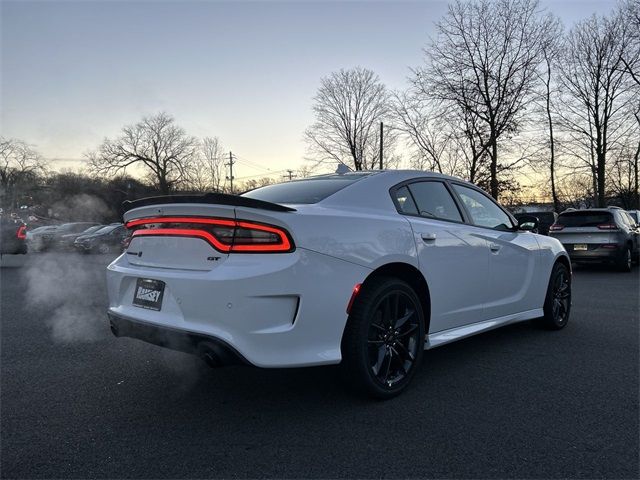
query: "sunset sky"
75, 72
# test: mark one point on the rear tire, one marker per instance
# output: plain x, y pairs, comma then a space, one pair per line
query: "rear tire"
625, 262
383, 340
557, 304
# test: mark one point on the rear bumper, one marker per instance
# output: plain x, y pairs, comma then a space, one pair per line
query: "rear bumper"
595, 255
273, 310
213, 349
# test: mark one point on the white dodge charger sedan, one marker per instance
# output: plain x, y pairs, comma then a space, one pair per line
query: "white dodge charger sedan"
366, 269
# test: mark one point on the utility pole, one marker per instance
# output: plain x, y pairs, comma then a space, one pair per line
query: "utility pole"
381, 140
230, 165
289, 175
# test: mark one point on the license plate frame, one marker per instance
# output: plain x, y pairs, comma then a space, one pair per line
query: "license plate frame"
148, 294
580, 247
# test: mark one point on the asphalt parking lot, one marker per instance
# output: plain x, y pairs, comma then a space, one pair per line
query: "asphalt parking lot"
517, 402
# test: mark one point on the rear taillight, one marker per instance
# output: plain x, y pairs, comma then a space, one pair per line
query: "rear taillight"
556, 227
22, 232
223, 234
608, 226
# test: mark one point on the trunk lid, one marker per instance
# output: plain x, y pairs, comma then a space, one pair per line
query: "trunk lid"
585, 227
177, 242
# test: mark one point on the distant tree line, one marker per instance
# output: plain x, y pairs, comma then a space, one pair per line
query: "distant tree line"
503, 90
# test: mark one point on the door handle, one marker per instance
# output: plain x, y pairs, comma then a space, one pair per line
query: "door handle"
428, 237
494, 247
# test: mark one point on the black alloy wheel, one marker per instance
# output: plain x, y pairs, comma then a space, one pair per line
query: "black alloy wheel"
557, 305
384, 338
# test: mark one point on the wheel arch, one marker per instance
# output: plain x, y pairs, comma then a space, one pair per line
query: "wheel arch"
564, 260
413, 277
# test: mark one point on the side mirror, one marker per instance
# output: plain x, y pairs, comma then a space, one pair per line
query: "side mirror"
528, 223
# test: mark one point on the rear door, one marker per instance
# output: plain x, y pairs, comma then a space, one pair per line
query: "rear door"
512, 259
454, 261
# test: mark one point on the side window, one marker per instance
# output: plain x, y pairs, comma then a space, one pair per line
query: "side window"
405, 202
626, 218
483, 210
434, 201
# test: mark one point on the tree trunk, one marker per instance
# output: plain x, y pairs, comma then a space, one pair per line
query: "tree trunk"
495, 191
601, 180
163, 185
552, 160
636, 159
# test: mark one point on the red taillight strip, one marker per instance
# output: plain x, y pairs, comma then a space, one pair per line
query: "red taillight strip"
284, 244
183, 232
21, 233
208, 221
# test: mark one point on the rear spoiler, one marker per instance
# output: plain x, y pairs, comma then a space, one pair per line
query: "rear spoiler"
210, 198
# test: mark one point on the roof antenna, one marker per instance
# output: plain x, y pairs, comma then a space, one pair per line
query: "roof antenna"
342, 169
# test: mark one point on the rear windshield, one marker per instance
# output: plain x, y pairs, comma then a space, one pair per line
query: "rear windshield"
634, 215
584, 219
312, 190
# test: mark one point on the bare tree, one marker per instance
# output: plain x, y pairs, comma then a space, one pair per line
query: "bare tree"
630, 17
597, 91
207, 173
425, 130
551, 53
19, 163
156, 144
484, 62
349, 106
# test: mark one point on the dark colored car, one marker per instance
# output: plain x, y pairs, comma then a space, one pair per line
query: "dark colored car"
545, 220
50, 239
65, 242
13, 235
105, 240
602, 235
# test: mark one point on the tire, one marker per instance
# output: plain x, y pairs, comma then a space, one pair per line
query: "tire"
557, 304
379, 360
104, 248
625, 262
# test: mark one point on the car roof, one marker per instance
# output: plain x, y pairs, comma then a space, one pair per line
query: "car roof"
363, 194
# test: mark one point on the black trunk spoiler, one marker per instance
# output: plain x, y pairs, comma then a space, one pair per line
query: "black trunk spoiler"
211, 198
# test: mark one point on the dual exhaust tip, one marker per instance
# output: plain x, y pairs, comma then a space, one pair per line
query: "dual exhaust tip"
213, 354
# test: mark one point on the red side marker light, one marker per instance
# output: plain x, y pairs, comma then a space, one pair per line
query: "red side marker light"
354, 294
22, 232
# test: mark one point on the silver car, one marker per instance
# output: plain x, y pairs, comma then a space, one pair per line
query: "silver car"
598, 235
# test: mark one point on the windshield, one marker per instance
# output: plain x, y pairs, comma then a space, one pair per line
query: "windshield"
311, 190
107, 229
584, 219
92, 229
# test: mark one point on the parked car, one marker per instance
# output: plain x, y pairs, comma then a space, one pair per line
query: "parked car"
600, 235
65, 242
49, 238
635, 215
545, 220
366, 269
40, 236
105, 240
69, 228
12, 236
